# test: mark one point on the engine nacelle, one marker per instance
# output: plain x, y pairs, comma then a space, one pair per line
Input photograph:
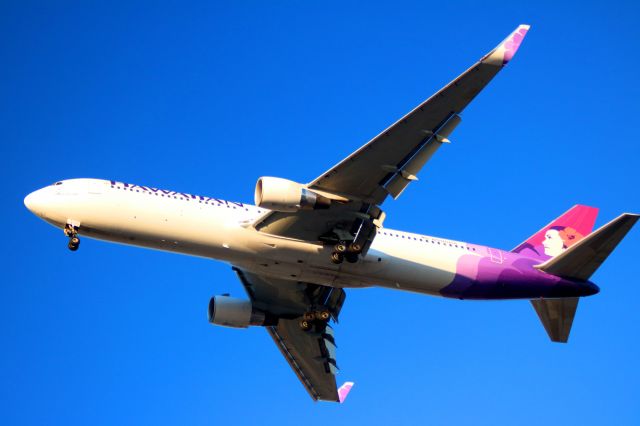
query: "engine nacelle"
232, 312
287, 196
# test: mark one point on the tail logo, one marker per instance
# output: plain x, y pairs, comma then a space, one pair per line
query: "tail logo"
558, 238
560, 234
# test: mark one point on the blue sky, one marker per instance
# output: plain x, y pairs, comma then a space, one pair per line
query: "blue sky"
207, 97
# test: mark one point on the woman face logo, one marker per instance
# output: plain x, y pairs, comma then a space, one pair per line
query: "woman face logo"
557, 239
553, 243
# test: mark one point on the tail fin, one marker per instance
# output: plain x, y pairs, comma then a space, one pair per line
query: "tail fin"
582, 259
578, 262
560, 234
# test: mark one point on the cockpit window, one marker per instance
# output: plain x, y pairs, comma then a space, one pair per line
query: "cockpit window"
58, 183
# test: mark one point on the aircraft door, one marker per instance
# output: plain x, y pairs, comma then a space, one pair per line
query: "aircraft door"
495, 255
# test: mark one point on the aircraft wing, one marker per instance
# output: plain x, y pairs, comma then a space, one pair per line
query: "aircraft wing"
390, 161
311, 354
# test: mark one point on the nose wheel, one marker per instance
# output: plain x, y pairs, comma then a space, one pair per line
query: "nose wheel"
74, 243
72, 232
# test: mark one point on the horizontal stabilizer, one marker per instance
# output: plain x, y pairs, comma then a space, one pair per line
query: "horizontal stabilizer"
556, 316
582, 259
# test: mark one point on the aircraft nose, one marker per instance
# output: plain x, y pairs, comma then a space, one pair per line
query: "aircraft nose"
35, 202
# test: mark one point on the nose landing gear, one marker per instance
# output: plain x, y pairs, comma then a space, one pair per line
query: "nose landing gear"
72, 232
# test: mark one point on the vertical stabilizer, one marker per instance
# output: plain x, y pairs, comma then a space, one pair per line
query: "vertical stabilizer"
560, 234
578, 262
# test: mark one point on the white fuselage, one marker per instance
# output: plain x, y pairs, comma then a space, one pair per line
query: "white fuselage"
218, 229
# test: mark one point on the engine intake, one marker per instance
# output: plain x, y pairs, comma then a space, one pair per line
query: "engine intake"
287, 196
232, 312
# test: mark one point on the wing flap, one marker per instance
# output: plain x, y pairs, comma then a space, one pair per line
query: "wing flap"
309, 354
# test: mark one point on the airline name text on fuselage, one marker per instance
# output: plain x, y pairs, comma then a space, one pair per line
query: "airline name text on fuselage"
165, 192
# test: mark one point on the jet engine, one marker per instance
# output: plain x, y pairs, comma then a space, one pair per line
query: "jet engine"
287, 196
232, 312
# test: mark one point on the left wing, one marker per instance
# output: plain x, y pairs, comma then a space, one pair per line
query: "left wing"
390, 161
312, 353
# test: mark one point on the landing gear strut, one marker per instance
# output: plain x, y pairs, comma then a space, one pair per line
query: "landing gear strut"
72, 232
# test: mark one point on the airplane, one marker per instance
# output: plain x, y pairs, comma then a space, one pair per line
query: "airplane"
301, 245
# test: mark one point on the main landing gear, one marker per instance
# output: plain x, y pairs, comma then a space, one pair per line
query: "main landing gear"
72, 232
313, 317
343, 251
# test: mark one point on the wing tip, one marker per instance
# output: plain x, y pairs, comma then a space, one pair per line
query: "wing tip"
343, 391
512, 43
506, 50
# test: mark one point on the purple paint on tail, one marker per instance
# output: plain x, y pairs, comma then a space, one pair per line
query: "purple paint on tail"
497, 274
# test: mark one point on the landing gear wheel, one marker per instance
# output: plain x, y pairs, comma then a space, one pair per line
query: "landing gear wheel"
309, 316
323, 315
72, 232
73, 245
351, 257
341, 247
305, 325
337, 258
354, 248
